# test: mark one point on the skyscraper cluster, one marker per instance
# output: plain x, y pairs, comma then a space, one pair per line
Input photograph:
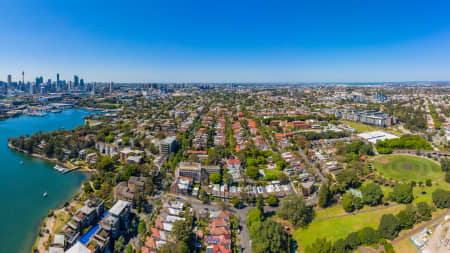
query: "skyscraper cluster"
39, 86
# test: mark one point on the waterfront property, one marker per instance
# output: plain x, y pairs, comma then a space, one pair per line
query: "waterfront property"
112, 223
26, 205
83, 218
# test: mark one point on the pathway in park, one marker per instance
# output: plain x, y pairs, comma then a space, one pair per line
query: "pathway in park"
355, 213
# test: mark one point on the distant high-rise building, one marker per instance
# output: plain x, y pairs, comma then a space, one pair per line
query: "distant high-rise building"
93, 89
23, 77
9, 80
58, 83
82, 84
76, 81
110, 87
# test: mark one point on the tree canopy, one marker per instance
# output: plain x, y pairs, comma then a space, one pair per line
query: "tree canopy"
269, 236
403, 193
294, 209
372, 194
389, 226
441, 198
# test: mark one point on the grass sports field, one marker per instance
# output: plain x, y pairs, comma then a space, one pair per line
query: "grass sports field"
337, 228
407, 168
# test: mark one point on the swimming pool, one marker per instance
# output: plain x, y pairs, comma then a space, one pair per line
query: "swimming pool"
87, 236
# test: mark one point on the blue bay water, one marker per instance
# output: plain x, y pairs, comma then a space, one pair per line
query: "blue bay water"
21, 188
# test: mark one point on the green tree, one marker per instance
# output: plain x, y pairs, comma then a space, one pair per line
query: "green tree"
215, 178
403, 193
358, 203
294, 209
324, 195
340, 246
87, 188
406, 218
142, 227
353, 240
260, 203
96, 184
129, 248
347, 202
252, 172
320, 245
236, 202
389, 226
268, 236
367, 235
105, 164
182, 230
348, 178
272, 200
254, 216
445, 164
203, 196
428, 183
447, 176
388, 248
372, 194
109, 138
119, 244
424, 210
227, 178
441, 198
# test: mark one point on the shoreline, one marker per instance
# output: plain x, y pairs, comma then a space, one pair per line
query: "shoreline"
72, 167
37, 244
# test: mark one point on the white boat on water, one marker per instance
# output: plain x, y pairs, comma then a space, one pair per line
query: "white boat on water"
45, 194
21, 162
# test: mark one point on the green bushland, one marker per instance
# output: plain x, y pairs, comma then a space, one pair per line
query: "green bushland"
404, 142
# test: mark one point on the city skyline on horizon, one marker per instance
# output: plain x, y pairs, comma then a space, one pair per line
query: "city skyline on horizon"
71, 79
205, 42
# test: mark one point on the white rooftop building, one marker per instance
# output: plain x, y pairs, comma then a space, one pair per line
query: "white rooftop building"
375, 136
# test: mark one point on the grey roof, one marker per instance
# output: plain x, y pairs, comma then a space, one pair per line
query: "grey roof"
87, 210
78, 248
58, 239
55, 250
169, 140
118, 207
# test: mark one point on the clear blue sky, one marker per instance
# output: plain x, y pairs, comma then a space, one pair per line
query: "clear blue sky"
225, 41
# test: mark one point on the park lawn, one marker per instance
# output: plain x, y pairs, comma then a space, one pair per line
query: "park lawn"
417, 191
329, 212
408, 168
338, 228
61, 219
336, 210
419, 197
271, 174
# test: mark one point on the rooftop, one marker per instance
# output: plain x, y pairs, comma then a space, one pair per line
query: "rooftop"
118, 207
